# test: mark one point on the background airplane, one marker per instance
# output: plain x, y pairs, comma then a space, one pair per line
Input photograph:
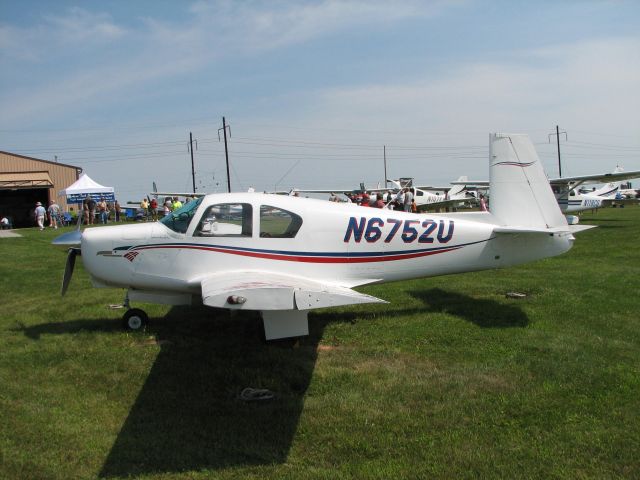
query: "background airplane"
455, 195
284, 256
569, 196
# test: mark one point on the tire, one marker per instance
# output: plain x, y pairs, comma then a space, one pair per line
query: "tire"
135, 320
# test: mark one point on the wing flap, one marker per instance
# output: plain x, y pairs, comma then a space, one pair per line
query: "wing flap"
255, 290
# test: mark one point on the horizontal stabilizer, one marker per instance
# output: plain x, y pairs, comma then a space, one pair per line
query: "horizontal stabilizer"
548, 231
256, 290
580, 228
531, 230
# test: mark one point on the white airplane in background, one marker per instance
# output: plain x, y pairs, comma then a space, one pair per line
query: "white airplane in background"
572, 200
423, 196
453, 196
284, 256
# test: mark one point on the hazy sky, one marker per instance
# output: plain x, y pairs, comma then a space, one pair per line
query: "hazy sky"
314, 90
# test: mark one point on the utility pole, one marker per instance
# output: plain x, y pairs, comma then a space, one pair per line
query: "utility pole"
557, 135
193, 171
226, 149
384, 153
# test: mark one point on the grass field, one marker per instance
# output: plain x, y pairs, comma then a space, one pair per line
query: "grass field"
450, 380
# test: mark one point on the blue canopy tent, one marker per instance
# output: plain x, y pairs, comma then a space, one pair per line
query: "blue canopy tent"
78, 191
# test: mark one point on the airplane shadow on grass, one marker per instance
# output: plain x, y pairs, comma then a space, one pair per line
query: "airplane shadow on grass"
188, 415
484, 313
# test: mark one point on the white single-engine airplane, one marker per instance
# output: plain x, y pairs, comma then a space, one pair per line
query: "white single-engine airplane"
284, 256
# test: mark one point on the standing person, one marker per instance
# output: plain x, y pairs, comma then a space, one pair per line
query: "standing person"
54, 213
40, 213
85, 210
400, 200
92, 210
144, 205
483, 204
153, 206
176, 203
408, 199
118, 210
102, 209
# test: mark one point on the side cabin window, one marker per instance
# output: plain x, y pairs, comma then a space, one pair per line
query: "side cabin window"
226, 220
419, 193
179, 219
278, 223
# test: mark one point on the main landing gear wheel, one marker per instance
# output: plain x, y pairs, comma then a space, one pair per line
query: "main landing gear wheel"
135, 319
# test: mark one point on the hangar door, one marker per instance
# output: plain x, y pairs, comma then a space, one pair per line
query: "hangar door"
19, 192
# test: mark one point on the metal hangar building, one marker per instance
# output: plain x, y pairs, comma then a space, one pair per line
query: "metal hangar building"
27, 180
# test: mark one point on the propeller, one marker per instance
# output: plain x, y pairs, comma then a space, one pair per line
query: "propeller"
70, 239
68, 269
73, 240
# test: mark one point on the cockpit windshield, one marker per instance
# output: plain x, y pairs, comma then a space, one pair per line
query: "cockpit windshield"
179, 219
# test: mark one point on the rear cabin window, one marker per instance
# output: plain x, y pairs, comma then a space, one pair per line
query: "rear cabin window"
278, 223
226, 220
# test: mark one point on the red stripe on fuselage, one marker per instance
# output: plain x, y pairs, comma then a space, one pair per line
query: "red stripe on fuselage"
308, 259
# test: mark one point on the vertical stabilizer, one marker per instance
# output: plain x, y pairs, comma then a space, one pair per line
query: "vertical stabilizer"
610, 189
458, 189
519, 189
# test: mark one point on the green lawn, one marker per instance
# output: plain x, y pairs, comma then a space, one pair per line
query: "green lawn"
449, 380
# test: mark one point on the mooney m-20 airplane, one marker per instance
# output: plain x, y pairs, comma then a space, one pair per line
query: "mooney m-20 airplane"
284, 256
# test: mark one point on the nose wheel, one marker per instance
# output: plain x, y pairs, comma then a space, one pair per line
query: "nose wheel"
135, 319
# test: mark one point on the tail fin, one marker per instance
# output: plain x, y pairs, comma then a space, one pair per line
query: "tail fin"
456, 189
519, 189
610, 189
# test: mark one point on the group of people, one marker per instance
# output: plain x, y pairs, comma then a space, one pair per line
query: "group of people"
52, 213
402, 201
151, 208
100, 211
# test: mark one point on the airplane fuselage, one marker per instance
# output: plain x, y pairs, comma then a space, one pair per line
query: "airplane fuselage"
333, 242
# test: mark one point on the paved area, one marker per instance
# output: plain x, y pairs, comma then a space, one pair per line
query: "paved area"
8, 234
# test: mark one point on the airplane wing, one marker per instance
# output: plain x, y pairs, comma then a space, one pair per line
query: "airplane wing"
176, 194
445, 203
431, 188
472, 183
258, 290
597, 178
334, 190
